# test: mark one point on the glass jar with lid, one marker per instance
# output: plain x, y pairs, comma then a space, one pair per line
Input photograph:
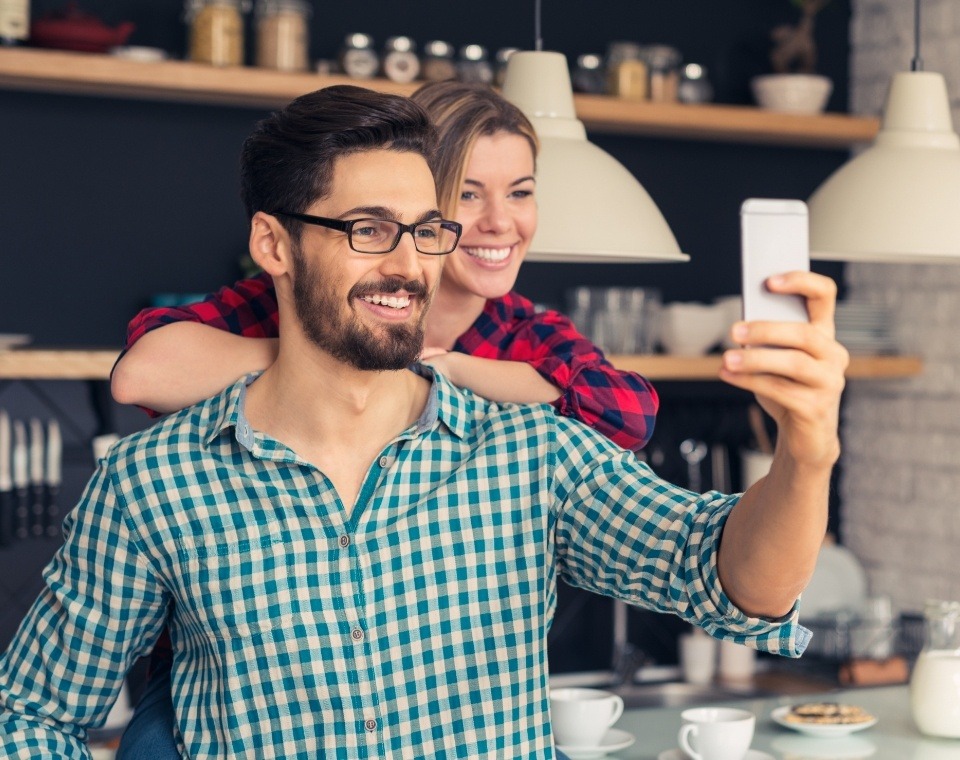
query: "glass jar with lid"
216, 31
357, 58
474, 65
400, 62
438, 62
588, 75
663, 65
14, 21
626, 71
935, 682
694, 85
282, 34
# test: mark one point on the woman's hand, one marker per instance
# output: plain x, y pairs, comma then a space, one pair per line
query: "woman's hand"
495, 379
795, 369
443, 361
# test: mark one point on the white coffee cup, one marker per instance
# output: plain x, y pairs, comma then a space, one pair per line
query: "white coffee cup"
698, 657
716, 733
737, 662
753, 466
581, 717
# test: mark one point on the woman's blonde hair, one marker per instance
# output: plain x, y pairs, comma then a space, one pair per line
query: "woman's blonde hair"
462, 112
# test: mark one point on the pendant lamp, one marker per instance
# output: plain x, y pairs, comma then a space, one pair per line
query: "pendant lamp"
591, 208
899, 200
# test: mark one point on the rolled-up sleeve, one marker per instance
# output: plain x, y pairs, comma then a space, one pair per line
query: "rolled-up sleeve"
247, 308
100, 609
624, 532
620, 405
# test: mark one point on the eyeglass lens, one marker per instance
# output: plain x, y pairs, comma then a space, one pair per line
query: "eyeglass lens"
381, 235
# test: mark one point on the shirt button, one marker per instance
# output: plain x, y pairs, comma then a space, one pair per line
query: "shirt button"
344, 541
370, 724
386, 461
356, 634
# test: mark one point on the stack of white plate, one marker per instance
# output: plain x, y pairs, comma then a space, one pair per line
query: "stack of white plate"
865, 328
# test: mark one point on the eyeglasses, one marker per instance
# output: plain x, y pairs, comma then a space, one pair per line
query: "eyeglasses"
436, 237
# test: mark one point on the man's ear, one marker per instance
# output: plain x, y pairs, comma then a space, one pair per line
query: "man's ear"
270, 245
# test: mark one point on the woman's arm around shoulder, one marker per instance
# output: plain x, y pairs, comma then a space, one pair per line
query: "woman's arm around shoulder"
201, 349
619, 404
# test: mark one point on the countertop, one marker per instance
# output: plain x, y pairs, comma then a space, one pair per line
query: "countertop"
894, 737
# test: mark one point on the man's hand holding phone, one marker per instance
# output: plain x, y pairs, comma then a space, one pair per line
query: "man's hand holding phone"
789, 357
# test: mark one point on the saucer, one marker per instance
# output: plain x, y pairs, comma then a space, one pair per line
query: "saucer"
612, 741
819, 729
678, 754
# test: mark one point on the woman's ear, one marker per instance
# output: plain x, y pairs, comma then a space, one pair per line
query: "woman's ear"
270, 244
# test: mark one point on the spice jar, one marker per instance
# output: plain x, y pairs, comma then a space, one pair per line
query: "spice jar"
588, 75
663, 64
282, 40
216, 31
438, 61
358, 59
626, 71
474, 65
14, 21
694, 85
934, 692
400, 62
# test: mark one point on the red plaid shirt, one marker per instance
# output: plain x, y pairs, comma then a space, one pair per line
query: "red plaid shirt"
621, 405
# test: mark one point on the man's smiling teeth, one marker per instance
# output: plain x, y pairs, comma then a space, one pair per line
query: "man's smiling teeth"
489, 254
394, 302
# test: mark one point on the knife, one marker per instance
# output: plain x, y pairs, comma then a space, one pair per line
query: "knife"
21, 482
36, 477
6, 481
54, 476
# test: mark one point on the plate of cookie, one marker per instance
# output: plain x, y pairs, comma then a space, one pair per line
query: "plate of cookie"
823, 718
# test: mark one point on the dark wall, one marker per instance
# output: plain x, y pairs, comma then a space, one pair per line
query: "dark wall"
105, 202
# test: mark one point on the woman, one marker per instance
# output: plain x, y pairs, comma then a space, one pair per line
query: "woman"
479, 333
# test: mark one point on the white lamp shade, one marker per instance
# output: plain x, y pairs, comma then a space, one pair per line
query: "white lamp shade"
591, 208
899, 200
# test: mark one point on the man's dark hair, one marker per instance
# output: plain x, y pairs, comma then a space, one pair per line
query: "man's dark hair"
287, 162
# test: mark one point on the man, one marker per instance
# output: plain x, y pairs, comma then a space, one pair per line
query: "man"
359, 560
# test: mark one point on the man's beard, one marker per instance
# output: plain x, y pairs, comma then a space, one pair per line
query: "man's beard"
343, 335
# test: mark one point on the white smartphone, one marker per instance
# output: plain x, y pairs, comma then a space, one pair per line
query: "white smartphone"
774, 239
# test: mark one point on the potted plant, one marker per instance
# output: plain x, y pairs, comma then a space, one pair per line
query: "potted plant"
794, 86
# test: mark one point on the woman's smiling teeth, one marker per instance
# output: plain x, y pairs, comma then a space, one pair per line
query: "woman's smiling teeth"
489, 254
394, 302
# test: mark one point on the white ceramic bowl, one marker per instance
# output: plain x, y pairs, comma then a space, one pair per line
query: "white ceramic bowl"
792, 93
731, 308
690, 329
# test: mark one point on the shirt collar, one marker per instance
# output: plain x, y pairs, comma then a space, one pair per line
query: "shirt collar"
445, 403
226, 410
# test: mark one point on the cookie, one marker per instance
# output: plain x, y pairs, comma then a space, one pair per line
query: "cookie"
827, 713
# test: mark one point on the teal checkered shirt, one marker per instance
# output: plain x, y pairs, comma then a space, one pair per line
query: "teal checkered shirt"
416, 628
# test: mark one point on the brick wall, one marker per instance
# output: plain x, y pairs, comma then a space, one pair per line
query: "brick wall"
900, 487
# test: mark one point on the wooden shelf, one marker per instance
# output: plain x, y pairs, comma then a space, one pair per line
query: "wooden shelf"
53, 364
88, 74
57, 364
661, 367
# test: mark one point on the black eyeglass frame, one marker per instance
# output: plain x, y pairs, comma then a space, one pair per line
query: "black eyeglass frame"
347, 225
